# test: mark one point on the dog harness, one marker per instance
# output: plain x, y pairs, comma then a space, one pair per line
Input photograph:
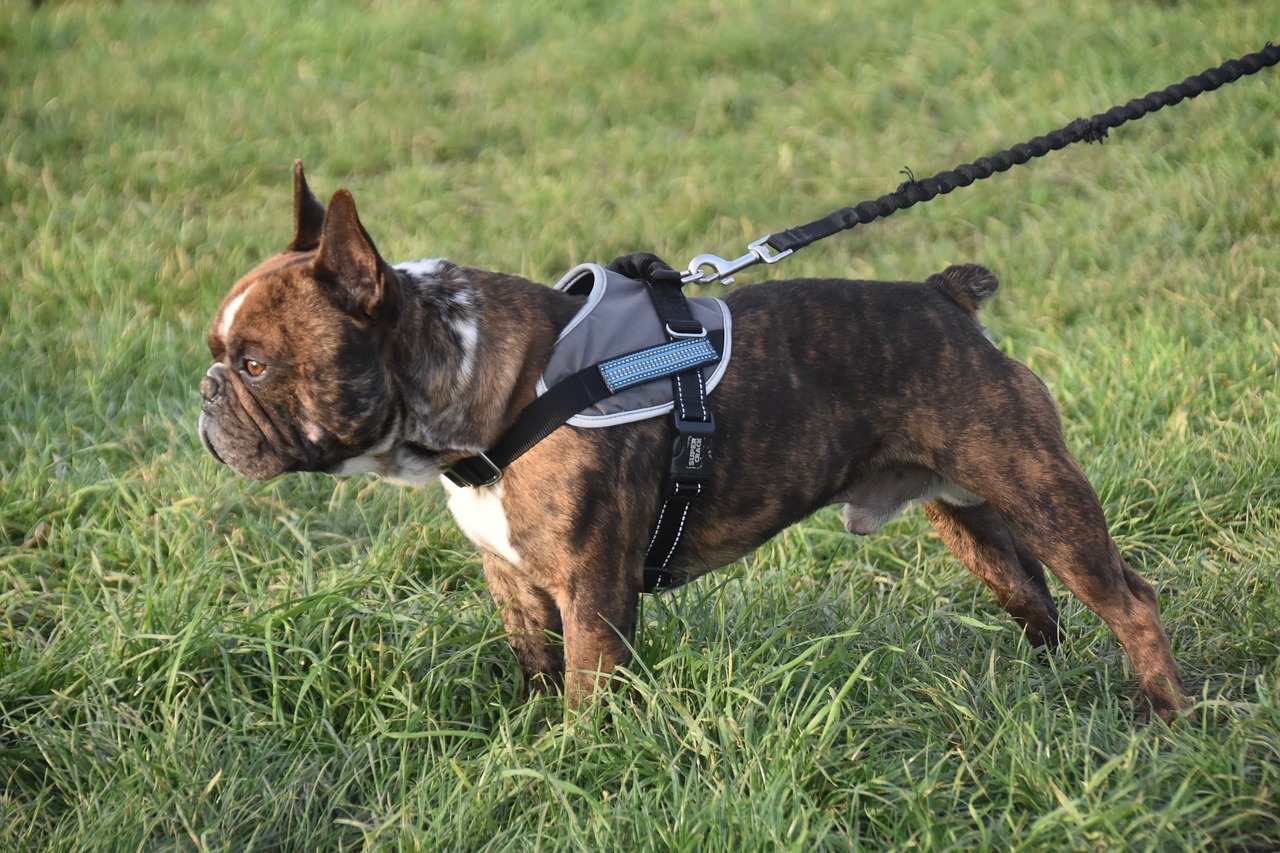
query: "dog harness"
636, 329
619, 320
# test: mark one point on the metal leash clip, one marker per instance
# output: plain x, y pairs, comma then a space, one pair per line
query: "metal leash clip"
724, 270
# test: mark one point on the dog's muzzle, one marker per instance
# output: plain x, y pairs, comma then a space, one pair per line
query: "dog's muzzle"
211, 386
211, 391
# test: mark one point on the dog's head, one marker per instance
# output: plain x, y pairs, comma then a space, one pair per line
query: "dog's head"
299, 380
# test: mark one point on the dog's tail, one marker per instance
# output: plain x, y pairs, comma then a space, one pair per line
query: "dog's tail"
967, 285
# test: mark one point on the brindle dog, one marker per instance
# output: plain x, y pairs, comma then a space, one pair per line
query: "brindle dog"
874, 395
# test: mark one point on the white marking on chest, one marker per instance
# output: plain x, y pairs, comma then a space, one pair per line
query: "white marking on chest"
229, 313
372, 460
480, 514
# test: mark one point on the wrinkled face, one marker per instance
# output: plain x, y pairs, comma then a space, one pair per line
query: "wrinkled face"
297, 382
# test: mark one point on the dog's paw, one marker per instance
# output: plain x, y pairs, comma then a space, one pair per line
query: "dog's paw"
1170, 708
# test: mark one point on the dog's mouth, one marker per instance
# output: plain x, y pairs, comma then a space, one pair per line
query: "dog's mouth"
202, 428
252, 458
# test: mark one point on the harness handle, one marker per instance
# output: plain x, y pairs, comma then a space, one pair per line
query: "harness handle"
704, 269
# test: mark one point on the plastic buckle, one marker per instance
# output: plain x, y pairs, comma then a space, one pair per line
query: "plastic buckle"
700, 428
690, 463
678, 329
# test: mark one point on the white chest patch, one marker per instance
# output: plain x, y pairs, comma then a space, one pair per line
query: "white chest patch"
480, 515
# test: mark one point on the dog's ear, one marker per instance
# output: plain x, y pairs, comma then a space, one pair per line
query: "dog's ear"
348, 260
308, 214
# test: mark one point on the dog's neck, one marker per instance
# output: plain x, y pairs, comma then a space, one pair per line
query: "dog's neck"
468, 351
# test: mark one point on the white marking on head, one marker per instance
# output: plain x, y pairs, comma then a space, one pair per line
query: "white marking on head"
480, 514
229, 313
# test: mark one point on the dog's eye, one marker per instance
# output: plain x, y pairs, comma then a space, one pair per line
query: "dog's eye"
253, 367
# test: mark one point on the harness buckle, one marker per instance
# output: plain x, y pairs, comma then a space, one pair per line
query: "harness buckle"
701, 428
685, 329
691, 455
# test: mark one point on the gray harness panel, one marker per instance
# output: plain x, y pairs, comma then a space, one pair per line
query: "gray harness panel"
618, 319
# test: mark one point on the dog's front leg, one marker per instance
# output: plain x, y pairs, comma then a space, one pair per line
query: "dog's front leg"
599, 630
532, 618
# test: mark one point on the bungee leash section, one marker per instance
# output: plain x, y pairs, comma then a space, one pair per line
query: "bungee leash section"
706, 268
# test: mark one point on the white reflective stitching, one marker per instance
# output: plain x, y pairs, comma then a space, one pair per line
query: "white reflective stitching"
646, 365
679, 401
654, 538
702, 396
683, 515
679, 530
674, 349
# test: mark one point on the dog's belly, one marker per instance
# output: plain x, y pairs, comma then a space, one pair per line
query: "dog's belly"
874, 501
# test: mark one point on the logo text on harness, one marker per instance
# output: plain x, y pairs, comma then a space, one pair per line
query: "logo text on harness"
694, 459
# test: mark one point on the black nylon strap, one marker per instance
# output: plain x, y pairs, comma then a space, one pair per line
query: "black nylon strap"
539, 419
691, 450
670, 304
666, 536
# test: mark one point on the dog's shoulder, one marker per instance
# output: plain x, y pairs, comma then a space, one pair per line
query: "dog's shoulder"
967, 285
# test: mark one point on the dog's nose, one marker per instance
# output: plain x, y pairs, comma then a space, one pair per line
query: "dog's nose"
211, 384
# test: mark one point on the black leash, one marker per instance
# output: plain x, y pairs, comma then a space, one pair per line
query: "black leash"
775, 247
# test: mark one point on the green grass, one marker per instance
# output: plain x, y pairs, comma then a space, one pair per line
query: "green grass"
194, 661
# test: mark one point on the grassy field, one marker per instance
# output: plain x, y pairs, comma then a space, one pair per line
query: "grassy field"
194, 661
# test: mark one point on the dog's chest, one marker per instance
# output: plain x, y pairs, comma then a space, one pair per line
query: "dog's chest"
481, 517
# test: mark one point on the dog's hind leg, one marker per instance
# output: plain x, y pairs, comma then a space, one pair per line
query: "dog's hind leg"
1050, 506
982, 541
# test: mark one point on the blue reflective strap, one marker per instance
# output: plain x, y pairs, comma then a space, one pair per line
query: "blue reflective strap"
656, 362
